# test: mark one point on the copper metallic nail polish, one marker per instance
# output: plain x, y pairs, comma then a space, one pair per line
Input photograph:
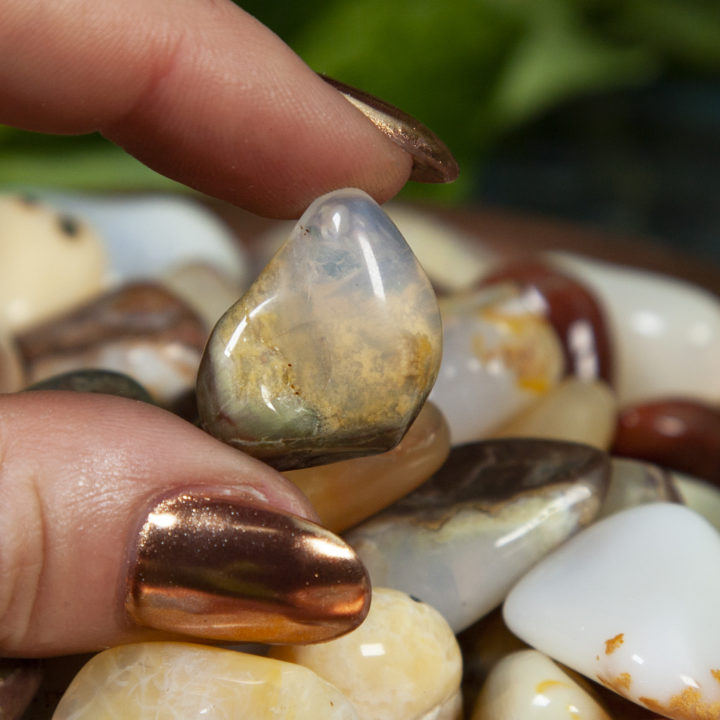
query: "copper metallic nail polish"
432, 161
213, 568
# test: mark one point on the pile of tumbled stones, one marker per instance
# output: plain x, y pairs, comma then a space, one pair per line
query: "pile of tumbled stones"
542, 542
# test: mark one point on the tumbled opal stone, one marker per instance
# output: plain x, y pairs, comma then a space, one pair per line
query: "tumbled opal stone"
347, 492
402, 663
333, 350
180, 681
460, 540
571, 308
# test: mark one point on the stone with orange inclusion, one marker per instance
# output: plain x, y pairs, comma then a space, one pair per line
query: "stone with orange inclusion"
347, 492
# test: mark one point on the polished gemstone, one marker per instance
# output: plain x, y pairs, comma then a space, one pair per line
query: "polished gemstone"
528, 685
462, 539
577, 410
499, 356
348, 492
680, 434
666, 332
49, 262
179, 681
572, 309
106, 382
637, 483
141, 330
333, 350
402, 663
632, 602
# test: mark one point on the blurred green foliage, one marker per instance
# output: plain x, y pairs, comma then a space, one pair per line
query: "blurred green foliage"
472, 70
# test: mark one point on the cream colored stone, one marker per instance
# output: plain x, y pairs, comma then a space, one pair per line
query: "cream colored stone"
576, 410
528, 685
402, 663
49, 262
180, 681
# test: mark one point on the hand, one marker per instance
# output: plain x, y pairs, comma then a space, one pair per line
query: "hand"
202, 92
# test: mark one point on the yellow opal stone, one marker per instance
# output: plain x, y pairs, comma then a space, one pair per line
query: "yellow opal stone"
402, 663
180, 681
577, 410
333, 350
345, 493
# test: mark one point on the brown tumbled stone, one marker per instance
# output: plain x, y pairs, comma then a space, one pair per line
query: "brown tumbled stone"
679, 434
572, 310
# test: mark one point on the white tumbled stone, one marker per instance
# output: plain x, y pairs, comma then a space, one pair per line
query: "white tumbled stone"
180, 681
527, 685
632, 602
666, 331
402, 663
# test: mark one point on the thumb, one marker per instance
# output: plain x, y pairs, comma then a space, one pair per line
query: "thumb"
119, 520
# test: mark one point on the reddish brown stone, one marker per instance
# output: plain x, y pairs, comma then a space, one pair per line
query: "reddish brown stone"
679, 434
572, 310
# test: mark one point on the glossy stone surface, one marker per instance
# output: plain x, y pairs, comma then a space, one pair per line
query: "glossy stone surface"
49, 262
333, 350
402, 663
679, 434
462, 539
637, 483
577, 410
632, 602
666, 332
106, 382
499, 356
141, 330
173, 681
528, 685
345, 493
148, 235
572, 309
206, 289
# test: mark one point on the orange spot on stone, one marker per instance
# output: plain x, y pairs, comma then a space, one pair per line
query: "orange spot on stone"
716, 674
541, 687
687, 705
614, 643
620, 683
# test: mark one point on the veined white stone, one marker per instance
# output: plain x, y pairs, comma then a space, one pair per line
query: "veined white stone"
148, 235
666, 331
500, 355
530, 686
632, 602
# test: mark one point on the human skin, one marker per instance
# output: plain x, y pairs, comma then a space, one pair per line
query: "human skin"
203, 93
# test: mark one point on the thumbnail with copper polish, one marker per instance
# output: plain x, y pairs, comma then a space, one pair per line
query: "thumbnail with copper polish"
432, 160
213, 568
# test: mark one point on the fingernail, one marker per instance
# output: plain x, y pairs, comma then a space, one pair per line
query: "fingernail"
214, 568
432, 160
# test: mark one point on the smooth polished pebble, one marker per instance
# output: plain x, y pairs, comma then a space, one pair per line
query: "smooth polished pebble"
148, 235
206, 289
12, 375
572, 309
180, 681
140, 330
333, 350
402, 663
345, 493
462, 539
577, 410
50, 261
676, 433
528, 685
666, 332
701, 496
499, 356
633, 482
632, 602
